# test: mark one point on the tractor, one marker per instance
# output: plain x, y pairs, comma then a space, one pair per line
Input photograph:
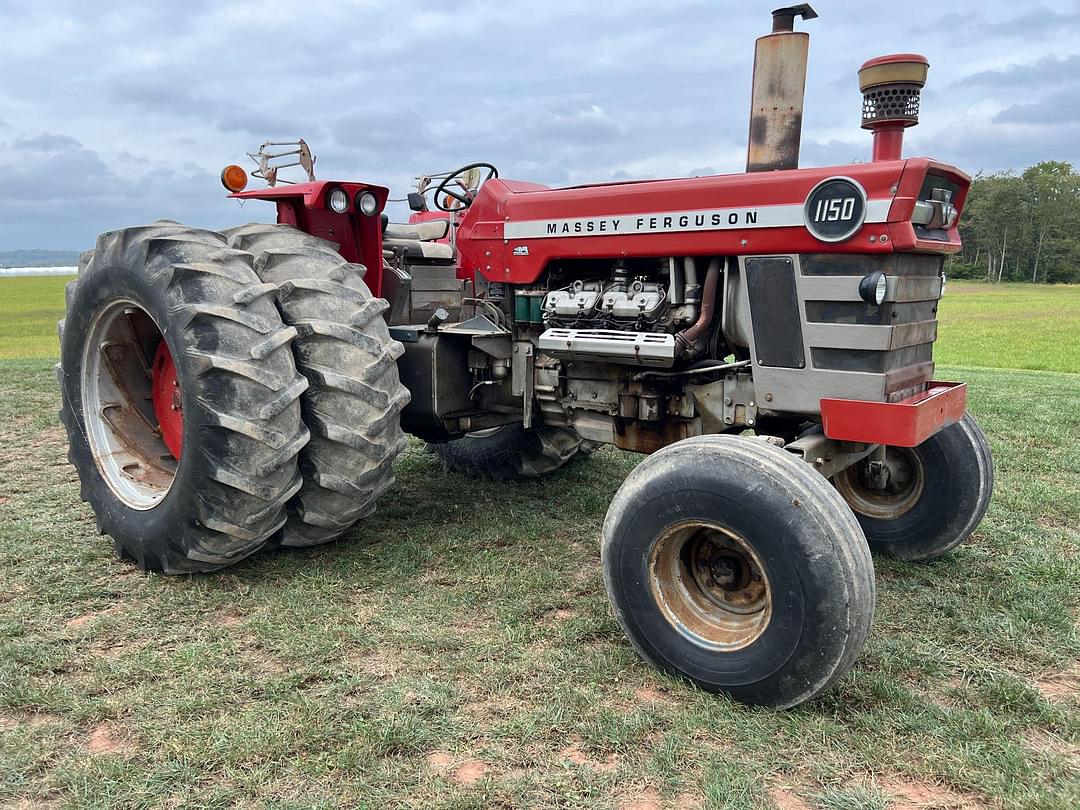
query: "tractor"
765, 337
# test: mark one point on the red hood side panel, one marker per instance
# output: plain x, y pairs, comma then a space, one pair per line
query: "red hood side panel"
512, 231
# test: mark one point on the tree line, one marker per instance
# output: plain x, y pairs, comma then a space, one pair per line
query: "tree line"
1022, 227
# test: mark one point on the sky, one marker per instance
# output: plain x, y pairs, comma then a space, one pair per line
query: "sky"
115, 114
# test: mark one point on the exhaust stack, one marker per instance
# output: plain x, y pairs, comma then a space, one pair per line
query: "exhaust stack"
891, 87
776, 100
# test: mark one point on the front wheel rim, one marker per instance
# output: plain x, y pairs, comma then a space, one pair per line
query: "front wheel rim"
904, 488
122, 429
710, 585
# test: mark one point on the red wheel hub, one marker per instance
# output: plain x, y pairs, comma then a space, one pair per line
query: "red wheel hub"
168, 401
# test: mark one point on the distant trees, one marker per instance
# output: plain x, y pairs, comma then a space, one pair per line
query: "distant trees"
1022, 227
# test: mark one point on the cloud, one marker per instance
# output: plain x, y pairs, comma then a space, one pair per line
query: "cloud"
121, 113
46, 142
1061, 107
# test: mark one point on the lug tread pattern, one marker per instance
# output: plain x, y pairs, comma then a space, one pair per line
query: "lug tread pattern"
353, 403
245, 389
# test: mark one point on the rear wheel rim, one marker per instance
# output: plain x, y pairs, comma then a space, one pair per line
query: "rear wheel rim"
119, 402
904, 488
710, 585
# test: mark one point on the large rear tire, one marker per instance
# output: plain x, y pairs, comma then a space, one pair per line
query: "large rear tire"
936, 495
170, 340
353, 403
512, 451
731, 563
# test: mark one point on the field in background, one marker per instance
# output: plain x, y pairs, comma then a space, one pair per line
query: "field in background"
1032, 326
456, 649
30, 306
998, 326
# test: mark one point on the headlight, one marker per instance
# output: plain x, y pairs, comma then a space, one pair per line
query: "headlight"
338, 201
872, 288
367, 203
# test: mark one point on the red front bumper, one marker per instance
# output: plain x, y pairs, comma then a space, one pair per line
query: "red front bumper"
907, 423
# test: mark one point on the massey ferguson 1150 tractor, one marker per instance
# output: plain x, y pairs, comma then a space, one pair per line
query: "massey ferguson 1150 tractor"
767, 337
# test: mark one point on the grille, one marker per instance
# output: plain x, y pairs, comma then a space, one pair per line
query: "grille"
840, 344
891, 102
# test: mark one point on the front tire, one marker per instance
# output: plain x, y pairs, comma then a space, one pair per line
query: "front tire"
732, 564
936, 495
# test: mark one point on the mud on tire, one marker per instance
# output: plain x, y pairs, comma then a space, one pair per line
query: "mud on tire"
237, 388
353, 403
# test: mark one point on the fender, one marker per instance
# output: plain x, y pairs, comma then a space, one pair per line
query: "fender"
358, 236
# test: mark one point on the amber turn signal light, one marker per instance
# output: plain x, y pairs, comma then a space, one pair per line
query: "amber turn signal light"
234, 178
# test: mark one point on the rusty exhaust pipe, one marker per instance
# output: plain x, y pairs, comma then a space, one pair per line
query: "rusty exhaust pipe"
776, 100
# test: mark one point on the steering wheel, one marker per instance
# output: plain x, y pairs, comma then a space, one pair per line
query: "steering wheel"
464, 199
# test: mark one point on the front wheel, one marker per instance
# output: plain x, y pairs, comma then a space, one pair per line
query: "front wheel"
932, 498
731, 563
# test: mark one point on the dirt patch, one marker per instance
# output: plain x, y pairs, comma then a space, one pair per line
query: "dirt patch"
654, 696
439, 761
82, 621
10, 722
1044, 742
465, 773
380, 664
107, 740
560, 614
646, 799
688, 801
470, 772
786, 799
573, 753
231, 619
913, 795
1062, 686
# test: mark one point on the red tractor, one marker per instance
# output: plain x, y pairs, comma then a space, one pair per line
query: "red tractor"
766, 336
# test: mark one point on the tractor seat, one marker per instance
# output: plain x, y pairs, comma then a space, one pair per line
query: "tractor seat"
430, 231
418, 240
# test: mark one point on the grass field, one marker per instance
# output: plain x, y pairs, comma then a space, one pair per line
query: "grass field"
996, 326
457, 649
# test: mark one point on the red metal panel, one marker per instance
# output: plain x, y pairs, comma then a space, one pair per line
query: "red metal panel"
359, 237
484, 245
907, 423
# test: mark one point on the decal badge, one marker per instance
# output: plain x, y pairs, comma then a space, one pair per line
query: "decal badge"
711, 219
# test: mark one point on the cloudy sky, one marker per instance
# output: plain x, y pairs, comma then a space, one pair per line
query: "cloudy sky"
114, 113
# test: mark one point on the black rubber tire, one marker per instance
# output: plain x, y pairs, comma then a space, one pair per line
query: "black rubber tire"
812, 551
512, 451
958, 483
354, 401
242, 429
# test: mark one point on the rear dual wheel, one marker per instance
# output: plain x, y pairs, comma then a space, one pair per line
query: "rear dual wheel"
186, 416
181, 398
731, 563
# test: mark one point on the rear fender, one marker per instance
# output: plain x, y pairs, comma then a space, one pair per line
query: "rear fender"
358, 236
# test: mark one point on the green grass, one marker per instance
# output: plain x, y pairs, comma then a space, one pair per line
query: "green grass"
999, 326
1031, 326
465, 624
30, 306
